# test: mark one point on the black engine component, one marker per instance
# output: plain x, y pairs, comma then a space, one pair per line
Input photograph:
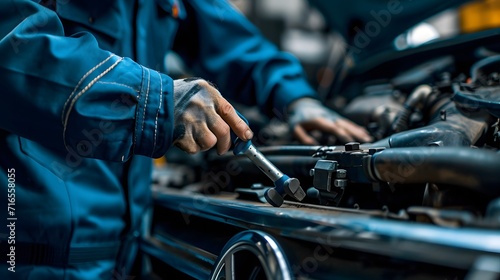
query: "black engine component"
428, 184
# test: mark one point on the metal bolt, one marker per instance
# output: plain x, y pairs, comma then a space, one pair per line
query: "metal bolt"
340, 183
351, 146
341, 173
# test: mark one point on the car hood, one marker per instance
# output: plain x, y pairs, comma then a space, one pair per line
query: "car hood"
372, 25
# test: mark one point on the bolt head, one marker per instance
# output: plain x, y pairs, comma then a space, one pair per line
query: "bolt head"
273, 198
341, 173
351, 146
340, 183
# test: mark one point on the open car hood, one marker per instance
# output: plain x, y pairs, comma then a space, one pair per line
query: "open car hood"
372, 25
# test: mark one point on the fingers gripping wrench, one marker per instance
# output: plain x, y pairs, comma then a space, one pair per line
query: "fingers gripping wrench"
284, 185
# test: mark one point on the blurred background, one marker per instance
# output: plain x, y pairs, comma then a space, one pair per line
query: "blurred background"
297, 26
333, 40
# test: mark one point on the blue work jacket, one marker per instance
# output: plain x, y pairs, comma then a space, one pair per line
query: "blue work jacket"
86, 105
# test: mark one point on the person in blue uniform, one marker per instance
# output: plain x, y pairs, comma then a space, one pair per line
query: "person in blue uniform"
86, 105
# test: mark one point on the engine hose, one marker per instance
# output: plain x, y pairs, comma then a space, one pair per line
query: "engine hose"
299, 166
402, 120
297, 150
416, 98
456, 128
239, 171
481, 70
474, 169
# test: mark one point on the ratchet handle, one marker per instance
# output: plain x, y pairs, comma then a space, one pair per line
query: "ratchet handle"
284, 185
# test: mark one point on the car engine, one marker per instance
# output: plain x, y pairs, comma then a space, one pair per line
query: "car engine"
420, 202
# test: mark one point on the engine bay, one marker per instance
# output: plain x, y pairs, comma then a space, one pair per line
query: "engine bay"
436, 150
422, 200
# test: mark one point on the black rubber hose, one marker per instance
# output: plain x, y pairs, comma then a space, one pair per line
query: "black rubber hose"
480, 70
457, 129
294, 166
474, 169
285, 150
416, 99
240, 172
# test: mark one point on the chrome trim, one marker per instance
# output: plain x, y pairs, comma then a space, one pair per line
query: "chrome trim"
263, 246
383, 236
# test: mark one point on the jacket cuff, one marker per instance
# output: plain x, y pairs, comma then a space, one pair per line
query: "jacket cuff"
288, 91
154, 116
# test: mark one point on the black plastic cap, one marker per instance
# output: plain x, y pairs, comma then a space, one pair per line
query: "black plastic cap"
273, 197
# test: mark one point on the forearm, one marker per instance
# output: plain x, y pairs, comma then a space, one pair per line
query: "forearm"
67, 93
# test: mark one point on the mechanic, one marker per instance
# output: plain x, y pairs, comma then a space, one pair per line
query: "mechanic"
86, 106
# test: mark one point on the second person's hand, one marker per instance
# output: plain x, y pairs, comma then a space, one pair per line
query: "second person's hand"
307, 115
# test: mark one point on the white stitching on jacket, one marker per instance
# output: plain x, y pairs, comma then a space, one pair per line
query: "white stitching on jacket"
146, 102
138, 96
157, 113
118, 84
65, 122
79, 82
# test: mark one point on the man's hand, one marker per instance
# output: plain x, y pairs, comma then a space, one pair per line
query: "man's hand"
203, 118
307, 115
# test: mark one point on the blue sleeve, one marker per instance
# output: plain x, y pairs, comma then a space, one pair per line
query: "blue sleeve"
220, 44
64, 92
